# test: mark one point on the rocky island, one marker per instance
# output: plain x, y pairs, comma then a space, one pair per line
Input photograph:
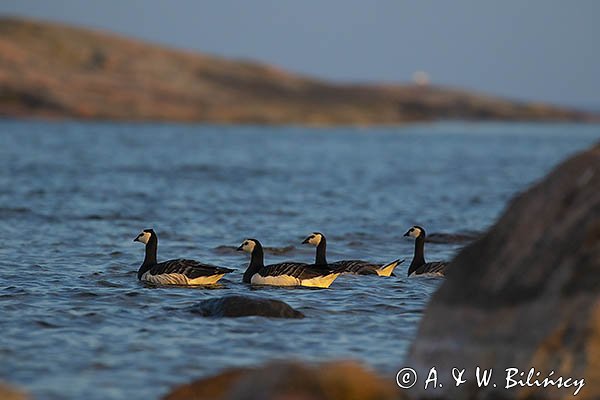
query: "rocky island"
50, 70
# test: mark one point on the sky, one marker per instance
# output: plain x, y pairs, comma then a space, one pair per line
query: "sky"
546, 50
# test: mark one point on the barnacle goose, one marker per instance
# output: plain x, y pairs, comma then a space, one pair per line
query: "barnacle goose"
418, 266
174, 272
282, 274
358, 267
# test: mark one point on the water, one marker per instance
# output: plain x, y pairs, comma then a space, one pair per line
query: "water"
75, 322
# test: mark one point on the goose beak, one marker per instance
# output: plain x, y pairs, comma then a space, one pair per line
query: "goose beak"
407, 233
136, 239
241, 248
305, 241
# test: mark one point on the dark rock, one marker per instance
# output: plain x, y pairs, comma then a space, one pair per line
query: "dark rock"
243, 306
525, 295
291, 381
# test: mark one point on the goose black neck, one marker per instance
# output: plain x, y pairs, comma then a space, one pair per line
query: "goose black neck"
321, 258
419, 257
150, 258
257, 261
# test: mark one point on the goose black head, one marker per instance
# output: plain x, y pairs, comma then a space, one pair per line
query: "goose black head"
144, 236
314, 239
415, 232
249, 245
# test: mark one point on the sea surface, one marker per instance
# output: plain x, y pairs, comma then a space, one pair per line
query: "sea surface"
76, 324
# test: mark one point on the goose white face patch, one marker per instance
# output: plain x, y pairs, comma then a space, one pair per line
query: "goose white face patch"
415, 232
248, 246
315, 239
144, 237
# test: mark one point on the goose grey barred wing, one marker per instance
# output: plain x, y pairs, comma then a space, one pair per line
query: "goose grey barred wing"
355, 267
190, 268
436, 267
297, 270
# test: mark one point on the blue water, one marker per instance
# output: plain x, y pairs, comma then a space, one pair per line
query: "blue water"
75, 323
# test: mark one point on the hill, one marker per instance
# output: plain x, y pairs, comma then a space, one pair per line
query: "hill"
58, 71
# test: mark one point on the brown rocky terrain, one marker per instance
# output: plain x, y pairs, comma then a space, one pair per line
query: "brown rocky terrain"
525, 295
290, 381
58, 71
11, 393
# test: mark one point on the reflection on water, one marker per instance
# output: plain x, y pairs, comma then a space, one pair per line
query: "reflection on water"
77, 324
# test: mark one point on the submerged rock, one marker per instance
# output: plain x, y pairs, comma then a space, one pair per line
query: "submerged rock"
244, 306
525, 295
290, 380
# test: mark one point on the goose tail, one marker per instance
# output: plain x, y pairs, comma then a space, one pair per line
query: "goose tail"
323, 281
388, 269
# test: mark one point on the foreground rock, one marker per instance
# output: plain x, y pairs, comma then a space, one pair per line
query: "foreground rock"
54, 70
290, 381
244, 306
10, 393
527, 294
